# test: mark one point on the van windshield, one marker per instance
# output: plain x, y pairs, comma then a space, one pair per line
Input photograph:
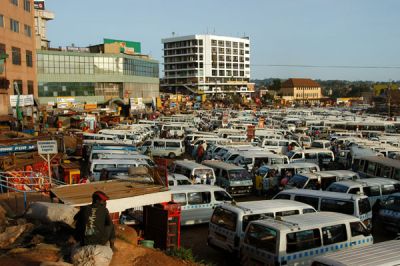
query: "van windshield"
297, 181
252, 217
364, 206
202, 173
238, 175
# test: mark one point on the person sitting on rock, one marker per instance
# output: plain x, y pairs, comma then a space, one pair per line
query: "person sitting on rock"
93, 223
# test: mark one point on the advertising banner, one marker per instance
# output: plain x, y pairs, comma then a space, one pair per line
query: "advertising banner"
24, 100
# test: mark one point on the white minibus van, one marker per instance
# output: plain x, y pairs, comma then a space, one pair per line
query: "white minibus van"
296, 239
91, 138
229, 221
356, 205
164, 147
320, 180
191, 168
374, 188
235, 179
198, 202
322, 157
383, 254
99, 164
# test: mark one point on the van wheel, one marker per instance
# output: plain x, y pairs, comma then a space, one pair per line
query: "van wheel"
171, 155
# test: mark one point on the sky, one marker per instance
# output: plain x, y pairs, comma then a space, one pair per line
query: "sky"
311, 35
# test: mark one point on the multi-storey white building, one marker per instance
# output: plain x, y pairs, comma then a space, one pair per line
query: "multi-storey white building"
207, 63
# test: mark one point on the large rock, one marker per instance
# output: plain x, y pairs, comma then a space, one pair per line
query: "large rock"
93, 255
12, 233
46, 212
36, 255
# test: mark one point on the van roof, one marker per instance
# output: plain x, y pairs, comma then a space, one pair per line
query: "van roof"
320, 193
196, 188
306, 221
383, 253
369, 181
294, 165
190, 164
220, 164
254, 207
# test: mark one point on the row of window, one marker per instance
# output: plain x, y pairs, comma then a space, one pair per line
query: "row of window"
229, 65
183, 44
228, 73
307, 95
229, 44
55, 89
15, 27
27, 4
16, 55
221, 50
266, 238
20, 85
90, 65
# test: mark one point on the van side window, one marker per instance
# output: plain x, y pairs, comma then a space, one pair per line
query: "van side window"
282, 196
334, 234
261, 237
388, 189
179, 198
346, 207
308, 200
303, 240
287, 213
372, 191
159, 144
222, 196
310, 156
199, 198
252, 217
170, 183
224, 218
354, 190
173, 144
297, 156
147, 144
308, 210
358, 229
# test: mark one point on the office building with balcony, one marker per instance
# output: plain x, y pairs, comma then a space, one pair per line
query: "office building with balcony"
17, 50
206, 64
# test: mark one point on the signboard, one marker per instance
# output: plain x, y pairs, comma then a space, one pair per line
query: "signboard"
65, 102
24, 100
47, 147
125, 47
17, 148
137, 104
39, 4
90, 106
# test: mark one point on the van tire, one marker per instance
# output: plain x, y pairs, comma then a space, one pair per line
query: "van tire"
172, 155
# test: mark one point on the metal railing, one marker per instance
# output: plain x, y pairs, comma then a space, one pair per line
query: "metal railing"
26, 182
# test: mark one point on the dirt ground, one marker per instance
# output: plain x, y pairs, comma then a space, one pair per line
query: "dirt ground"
129, 255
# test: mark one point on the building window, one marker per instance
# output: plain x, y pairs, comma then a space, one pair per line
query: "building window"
14, 25
27, 30
1, 21
19, 84
16, 55
2, 48
14, 2
27, 5
30, 87
29, 58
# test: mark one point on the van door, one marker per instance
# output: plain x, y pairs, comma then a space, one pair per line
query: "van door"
199, 208
358, 233
223, 229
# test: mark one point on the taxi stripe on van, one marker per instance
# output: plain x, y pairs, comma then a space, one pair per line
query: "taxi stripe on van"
320, 251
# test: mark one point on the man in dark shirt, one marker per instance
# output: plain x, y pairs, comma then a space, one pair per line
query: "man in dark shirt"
93, 223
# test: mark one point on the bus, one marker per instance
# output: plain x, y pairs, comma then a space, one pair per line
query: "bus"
376, 166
